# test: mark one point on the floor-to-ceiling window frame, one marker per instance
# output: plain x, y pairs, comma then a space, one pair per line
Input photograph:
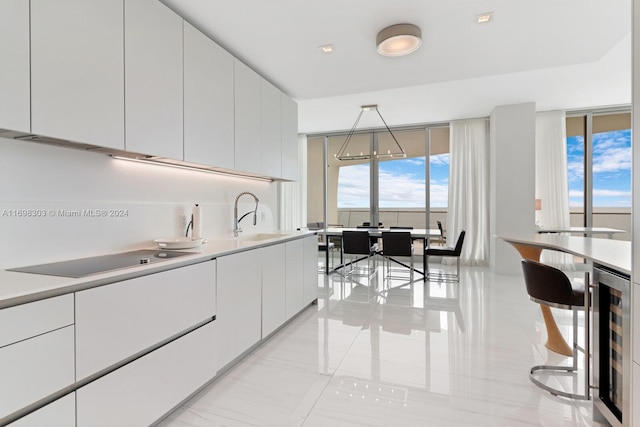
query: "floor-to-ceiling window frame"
599, 168
366, 191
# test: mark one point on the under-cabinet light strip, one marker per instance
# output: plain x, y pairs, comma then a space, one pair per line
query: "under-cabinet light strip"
191, 168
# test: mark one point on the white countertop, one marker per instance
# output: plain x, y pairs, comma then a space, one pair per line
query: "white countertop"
615, 254
18, 288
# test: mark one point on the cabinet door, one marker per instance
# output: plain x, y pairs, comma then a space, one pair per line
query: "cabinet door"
270, 130
289, 138
35, 318
35, 368
119, 320
77, 71
310, 289
15, 71
239, 306
144, 390
273, 288
153, 74
60, 413
295, 276
247, 118
208, 101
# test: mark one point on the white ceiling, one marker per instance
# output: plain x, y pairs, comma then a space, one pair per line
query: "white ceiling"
564, 54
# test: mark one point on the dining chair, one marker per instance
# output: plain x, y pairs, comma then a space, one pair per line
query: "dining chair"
397, 244
445, 251
443, 238
357, 244
549, 286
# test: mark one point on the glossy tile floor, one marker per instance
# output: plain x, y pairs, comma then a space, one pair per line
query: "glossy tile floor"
373, 352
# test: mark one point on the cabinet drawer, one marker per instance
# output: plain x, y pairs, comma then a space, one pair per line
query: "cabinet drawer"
35, 368
119, 320
35, 318
60, 413
143, 391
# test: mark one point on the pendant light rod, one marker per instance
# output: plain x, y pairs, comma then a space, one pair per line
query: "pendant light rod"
343, 154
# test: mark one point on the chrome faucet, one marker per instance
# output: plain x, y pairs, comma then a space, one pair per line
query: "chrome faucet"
236, 221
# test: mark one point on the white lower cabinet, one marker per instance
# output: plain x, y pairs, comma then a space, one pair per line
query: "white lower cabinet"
59, 413
146, 389
239, 304
35, 318
273, 288
35, 368
295, 275
116, 321
310, 286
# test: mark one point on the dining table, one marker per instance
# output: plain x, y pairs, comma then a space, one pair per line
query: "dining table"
423, 234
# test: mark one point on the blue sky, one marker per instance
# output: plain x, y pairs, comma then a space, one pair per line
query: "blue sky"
402, 181
611, 169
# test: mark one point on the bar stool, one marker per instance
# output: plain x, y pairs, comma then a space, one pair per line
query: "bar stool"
549, 286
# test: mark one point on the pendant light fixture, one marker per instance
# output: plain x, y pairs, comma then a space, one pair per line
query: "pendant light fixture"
399, 40
344, 154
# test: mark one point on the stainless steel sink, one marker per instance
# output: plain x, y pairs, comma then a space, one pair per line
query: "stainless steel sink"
100, 264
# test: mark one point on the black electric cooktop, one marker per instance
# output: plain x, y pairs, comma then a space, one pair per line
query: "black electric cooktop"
83, 267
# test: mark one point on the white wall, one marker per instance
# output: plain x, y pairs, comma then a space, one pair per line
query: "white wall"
512, 181
48, 179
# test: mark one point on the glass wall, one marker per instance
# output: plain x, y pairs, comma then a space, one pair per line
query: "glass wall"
393, 191
599, 170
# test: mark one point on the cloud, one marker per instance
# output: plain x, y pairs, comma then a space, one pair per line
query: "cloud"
439, 159
396, 190
401, 190
612, 159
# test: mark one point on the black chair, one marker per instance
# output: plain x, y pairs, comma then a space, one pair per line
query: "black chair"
549, 286
443, 238
397, 244
444, 251
365, 226
358, 245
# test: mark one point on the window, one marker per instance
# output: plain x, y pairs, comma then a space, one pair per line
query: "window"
599, 170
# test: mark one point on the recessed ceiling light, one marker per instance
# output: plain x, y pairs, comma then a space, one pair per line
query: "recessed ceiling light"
484, 18
326, 48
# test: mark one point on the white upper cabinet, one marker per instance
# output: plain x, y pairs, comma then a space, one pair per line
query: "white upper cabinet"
77, 70
14, 72
289, 138
208, 101
247, 118
270, 130
153, 78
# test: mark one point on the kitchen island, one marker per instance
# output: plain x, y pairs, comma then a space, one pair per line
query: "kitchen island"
610, 309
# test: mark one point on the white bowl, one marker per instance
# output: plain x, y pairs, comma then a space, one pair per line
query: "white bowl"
178, 242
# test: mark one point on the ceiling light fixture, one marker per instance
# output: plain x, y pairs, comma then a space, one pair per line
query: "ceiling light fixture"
399, 40
343, 153
484, 18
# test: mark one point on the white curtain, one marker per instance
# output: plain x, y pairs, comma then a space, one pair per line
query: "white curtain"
292, 198
469, 189
552, 187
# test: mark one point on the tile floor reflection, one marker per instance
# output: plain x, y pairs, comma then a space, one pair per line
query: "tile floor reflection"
375, 352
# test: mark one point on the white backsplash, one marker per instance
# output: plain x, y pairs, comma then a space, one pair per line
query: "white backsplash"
60, 203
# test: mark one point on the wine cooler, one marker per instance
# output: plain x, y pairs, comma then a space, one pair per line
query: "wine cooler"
612, 346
